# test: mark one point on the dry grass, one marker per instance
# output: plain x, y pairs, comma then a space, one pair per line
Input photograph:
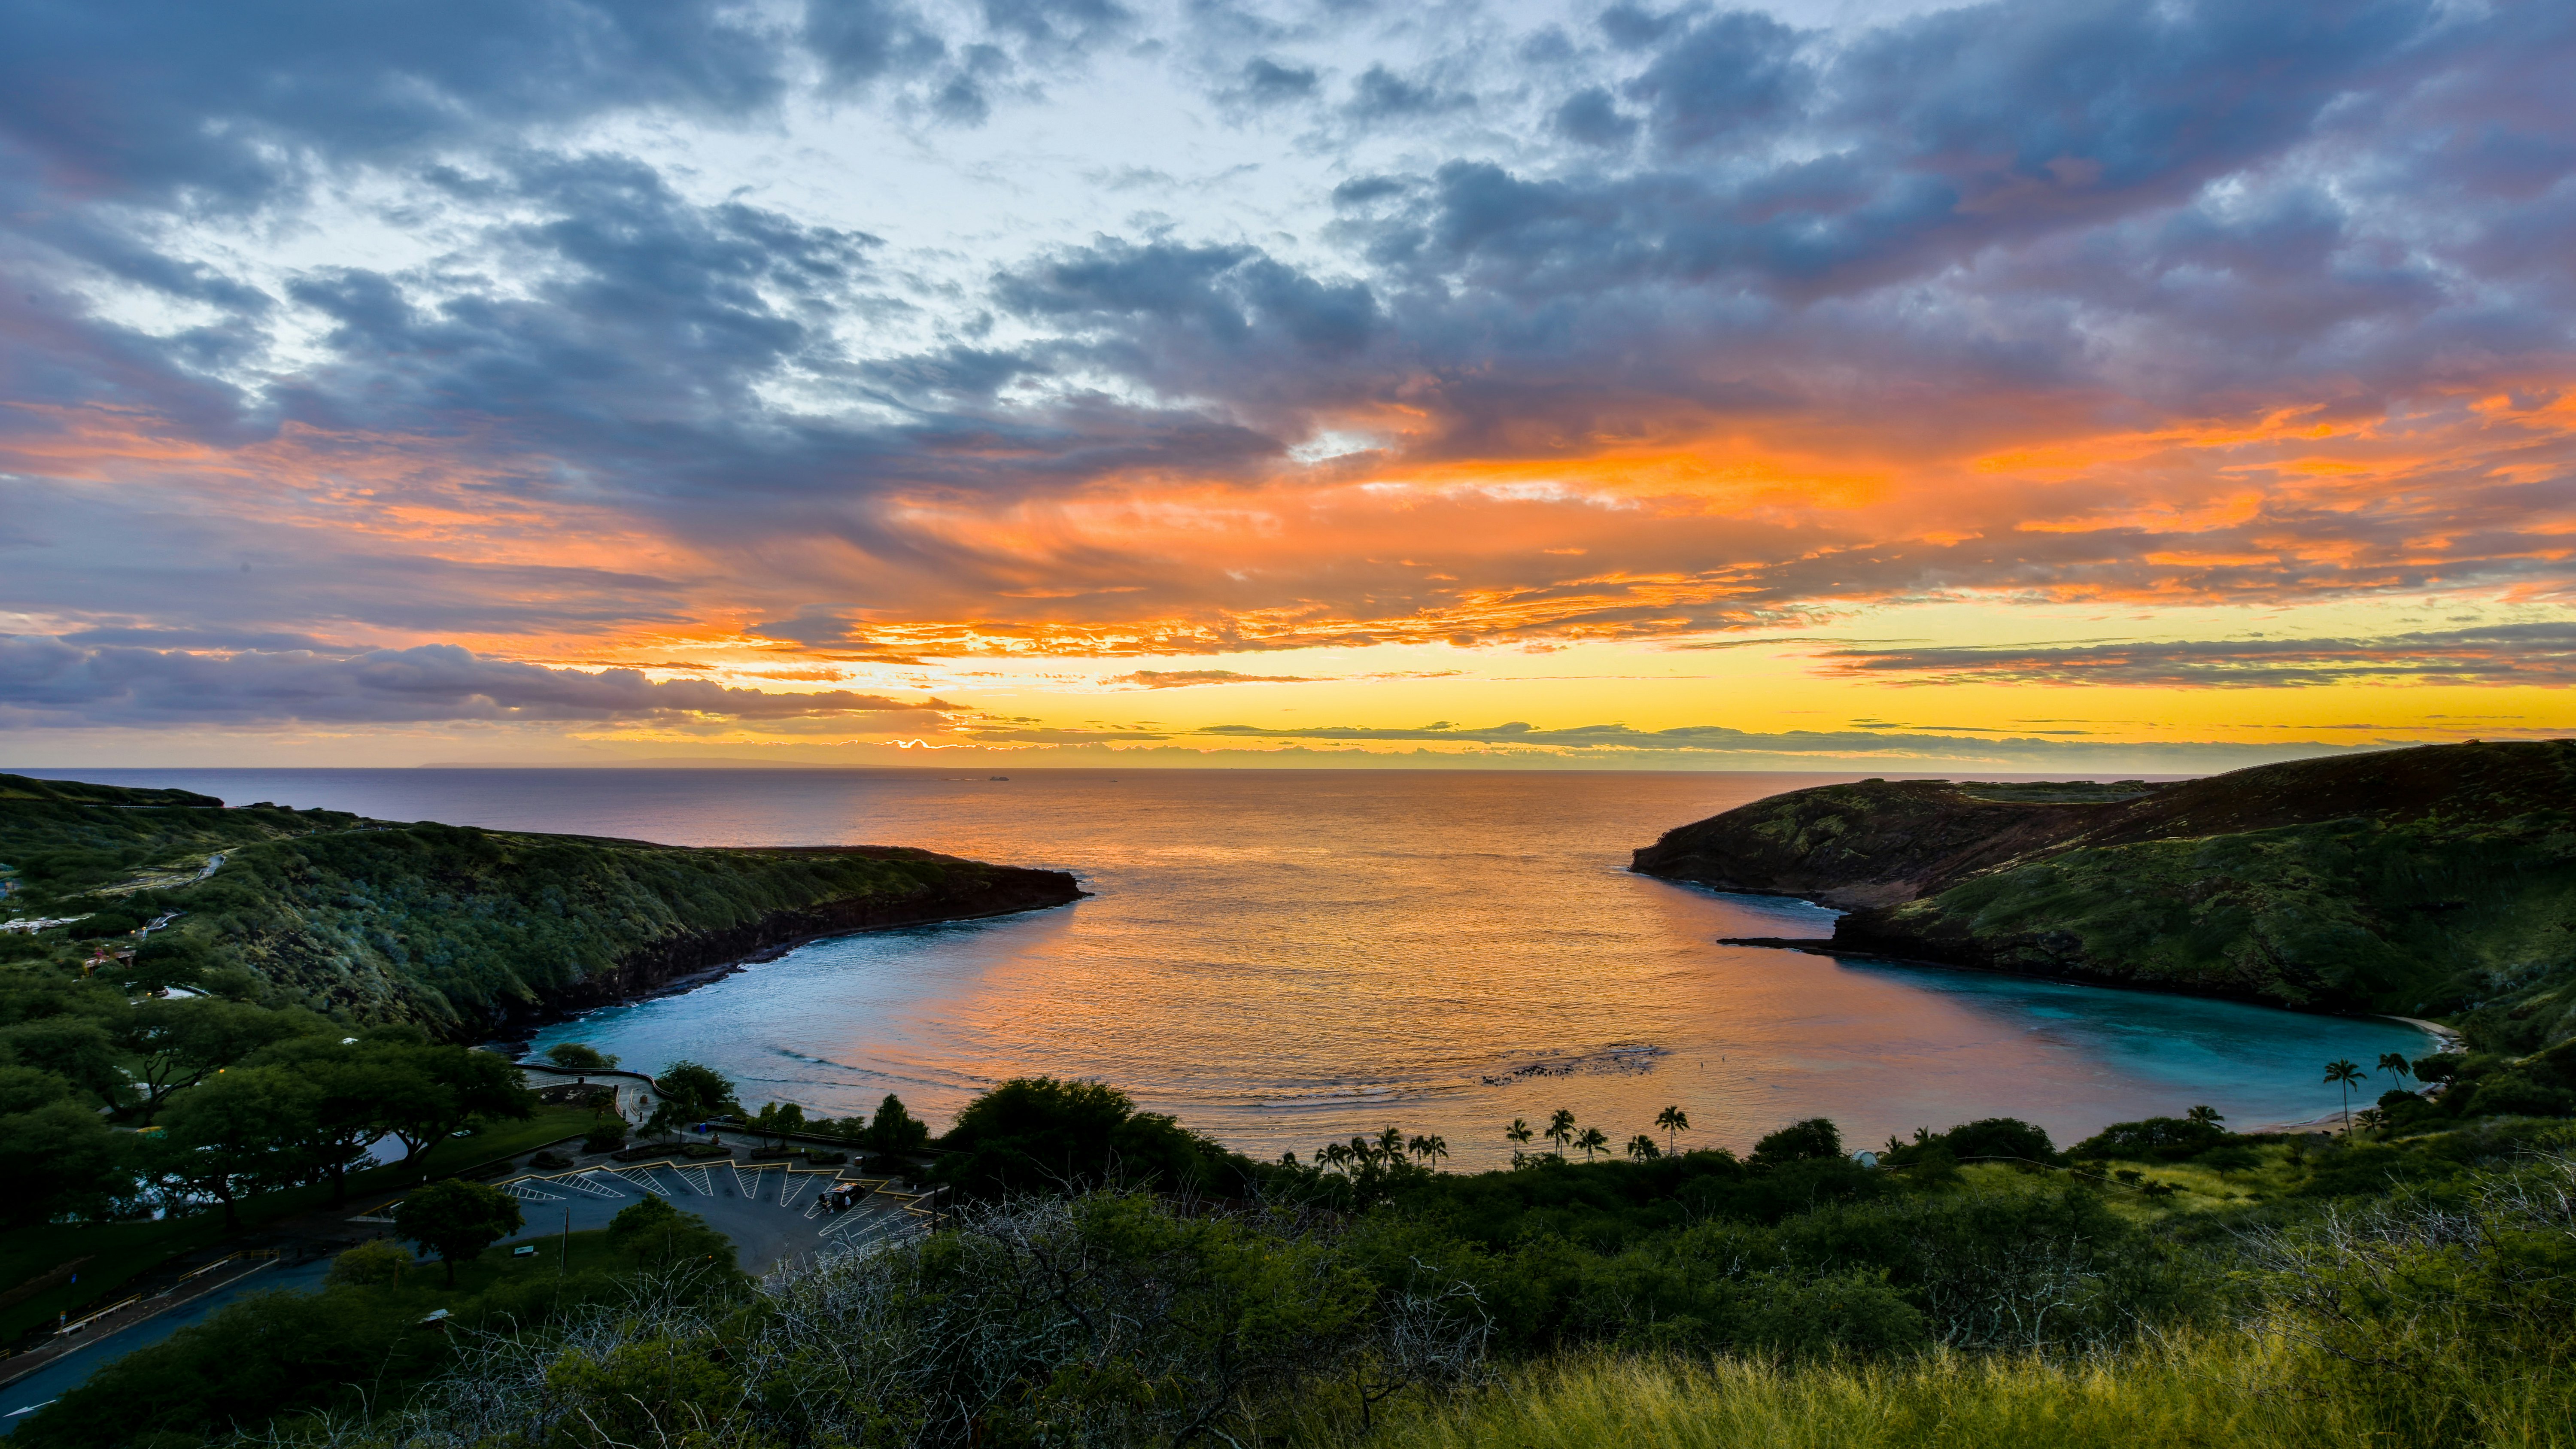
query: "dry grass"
2228, 1391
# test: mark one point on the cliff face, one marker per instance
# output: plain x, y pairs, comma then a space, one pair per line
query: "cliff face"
2433, 880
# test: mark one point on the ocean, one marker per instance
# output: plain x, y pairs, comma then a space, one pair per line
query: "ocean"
1283, 958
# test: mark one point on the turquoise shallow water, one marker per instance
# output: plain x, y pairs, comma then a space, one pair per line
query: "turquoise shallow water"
1285, 957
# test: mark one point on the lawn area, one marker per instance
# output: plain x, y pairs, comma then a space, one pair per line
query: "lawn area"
119, 1251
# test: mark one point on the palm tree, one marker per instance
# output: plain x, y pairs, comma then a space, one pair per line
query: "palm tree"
1643, 1148
1519, 1132
1593, 1140
1560, 1128
1334, 1154
1675, 1122
1429, 1149
2203, 1117
2394, 1064
1390, 1144
2344, 1074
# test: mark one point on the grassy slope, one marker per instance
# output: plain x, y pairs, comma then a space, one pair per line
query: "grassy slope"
429, 923
2432, 881
2415, 918
439, 923
2185, 1393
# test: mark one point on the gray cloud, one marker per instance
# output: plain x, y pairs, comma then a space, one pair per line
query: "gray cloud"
1704, 745
49, 683
2001, 215
2532, 654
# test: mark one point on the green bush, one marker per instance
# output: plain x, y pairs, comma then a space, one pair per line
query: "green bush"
2171, 1139
1036, 1134
1799, 1142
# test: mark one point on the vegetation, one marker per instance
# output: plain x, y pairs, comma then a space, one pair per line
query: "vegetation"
304, 1359
456, 1220
446, 926
2166, 1282
1108, 1277
217, 1010
2432, 881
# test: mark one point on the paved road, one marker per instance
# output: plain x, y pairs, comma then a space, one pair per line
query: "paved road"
73, 1369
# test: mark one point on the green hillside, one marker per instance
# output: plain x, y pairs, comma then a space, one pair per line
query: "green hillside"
450, 927
2438, 881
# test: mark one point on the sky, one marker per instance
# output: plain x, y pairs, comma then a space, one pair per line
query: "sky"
2026, 386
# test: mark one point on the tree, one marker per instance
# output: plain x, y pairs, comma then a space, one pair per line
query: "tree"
778, 1117
457, 1219
241, 1131
1642, 1148
580, 1057
454, 1085
60, 1158
1675, 1122
659, 1235
2394, 1064
1593, 1140
1519, 1132
24, 1089
2347, 1075
2204, 1116
1038, 1133
1560, 1128
365, 1096
76, 1048
1390, 1144
693, 1091
894, 1129
1429, 1148
1815, 1138
182, 1041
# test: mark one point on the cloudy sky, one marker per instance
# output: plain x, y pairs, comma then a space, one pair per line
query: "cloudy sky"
2038, 384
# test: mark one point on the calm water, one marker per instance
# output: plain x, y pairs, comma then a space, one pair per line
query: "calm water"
1285, 957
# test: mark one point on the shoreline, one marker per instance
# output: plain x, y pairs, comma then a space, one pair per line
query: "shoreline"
519, 1028
2445, 1039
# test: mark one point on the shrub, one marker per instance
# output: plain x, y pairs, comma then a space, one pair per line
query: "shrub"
1039, 1134
2168, 1138
2513, 1093
658, 1235
580, 1057
371, 1264
1814, 1138
2000, 1137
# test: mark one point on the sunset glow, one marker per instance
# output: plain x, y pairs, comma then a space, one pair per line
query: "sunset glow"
2011, 386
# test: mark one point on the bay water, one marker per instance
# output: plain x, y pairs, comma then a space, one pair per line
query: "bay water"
1283, 958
